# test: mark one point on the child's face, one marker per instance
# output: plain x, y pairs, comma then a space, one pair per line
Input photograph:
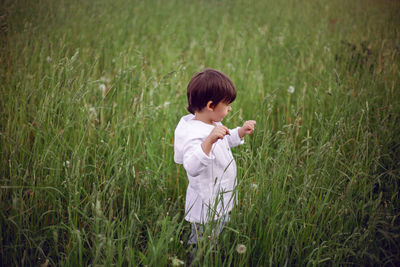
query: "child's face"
220, 111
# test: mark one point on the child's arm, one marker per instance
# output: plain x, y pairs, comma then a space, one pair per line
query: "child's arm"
194, 158
220, 131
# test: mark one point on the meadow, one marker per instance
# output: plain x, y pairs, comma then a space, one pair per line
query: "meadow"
91, 92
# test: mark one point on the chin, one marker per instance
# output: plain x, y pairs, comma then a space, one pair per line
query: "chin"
218, 119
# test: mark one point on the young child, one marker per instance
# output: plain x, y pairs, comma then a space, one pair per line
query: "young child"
203, 145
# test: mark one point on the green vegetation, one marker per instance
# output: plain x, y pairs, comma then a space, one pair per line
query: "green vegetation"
91, 92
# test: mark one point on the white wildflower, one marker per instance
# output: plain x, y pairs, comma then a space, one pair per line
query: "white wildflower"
254, 186
103, 88
263, 30
166, 104
231, 66
92, 114
48, 59
176, 262
241, 249
290, 89
281, 39
67, 164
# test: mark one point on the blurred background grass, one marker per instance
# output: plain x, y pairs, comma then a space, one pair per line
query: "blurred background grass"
91, 94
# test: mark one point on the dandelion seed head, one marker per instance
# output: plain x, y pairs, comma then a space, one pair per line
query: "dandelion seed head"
290, 89
241, 249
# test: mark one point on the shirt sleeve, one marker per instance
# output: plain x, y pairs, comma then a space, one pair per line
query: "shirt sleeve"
194, 158
233, 138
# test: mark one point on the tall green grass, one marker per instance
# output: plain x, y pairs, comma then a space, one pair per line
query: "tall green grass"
91, 92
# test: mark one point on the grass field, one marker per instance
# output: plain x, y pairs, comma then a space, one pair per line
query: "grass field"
91, 92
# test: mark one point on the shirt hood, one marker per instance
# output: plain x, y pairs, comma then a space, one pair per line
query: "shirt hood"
180, 137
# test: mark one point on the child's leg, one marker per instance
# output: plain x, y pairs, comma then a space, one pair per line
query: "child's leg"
221, 223
198, 229
197, 232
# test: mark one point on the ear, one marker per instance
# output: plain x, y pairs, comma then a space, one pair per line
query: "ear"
210, 106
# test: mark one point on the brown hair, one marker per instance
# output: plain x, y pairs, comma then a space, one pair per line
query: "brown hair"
209, 85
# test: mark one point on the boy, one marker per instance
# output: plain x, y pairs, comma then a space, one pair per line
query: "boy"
202, 145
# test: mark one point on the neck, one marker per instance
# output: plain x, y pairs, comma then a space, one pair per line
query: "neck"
200, 116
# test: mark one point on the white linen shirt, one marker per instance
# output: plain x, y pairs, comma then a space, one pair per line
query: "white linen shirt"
212, 179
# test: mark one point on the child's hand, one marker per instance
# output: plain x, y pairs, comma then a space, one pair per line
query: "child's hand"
217, 133
247, 128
